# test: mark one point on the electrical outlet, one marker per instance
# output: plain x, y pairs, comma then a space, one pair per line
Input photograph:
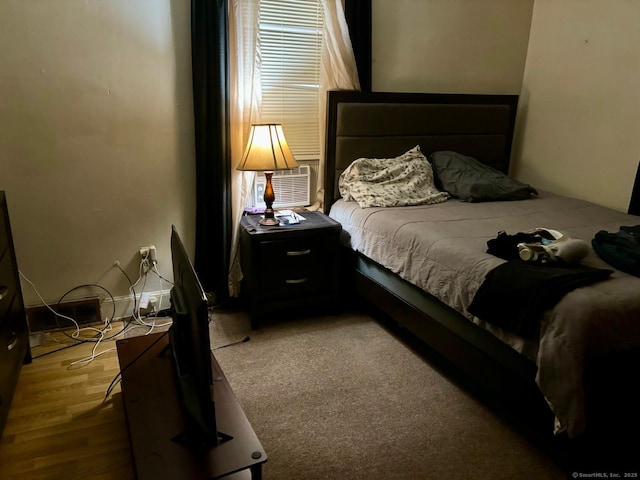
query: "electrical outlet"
149, 253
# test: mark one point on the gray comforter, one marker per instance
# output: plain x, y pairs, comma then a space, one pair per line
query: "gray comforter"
442, 249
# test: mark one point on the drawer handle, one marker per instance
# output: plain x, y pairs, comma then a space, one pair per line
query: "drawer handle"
295, 253
297, 280
13, 344
3, 291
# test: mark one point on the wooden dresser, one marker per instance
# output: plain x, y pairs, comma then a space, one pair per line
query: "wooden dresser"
14, 335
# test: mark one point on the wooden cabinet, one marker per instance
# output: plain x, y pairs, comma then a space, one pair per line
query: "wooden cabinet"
14, 335
154, 416
290, 267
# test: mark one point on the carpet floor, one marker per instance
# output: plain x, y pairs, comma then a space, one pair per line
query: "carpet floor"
341, 397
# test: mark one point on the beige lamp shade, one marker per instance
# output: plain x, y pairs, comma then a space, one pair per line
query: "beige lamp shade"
267, 149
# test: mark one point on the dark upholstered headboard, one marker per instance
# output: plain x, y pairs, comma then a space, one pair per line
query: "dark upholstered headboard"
382, 124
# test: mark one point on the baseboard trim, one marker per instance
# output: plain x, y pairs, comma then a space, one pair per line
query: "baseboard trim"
124, 304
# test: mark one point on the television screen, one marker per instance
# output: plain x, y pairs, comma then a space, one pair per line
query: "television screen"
191, 348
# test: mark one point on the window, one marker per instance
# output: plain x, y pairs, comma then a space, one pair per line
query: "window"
290, 45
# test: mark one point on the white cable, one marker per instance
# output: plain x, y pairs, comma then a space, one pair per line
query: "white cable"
155, 270
140, 273
89, 359
107, 328
136, 313
151, 326
75, 334
136, 306
92, 357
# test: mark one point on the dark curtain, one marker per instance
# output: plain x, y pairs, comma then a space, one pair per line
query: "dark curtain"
358, 16
209, 54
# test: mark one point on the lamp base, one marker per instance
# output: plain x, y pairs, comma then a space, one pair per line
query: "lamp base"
269, 197
269, 221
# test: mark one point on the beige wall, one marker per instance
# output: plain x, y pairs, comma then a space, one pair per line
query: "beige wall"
96, 138
450, 46
578, 131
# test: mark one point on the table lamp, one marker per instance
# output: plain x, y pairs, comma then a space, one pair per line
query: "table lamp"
267, 150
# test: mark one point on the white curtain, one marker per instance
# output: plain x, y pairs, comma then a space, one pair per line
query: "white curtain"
338, 71
245, 99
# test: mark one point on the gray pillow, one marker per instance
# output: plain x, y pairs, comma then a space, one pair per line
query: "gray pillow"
471, 181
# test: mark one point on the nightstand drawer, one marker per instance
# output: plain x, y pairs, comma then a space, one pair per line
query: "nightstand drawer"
297, 281
306, 252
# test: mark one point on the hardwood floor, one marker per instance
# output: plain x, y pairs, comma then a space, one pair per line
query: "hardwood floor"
58, 425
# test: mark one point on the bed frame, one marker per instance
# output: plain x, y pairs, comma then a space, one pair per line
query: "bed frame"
380, 125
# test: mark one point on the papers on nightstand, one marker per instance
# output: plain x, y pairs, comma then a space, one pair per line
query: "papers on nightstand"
288, 217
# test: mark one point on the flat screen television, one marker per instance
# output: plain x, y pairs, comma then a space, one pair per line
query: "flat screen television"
191, 348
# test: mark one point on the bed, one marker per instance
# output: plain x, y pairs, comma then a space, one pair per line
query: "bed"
568, 379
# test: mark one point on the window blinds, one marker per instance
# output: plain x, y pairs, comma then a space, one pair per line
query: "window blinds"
290, 47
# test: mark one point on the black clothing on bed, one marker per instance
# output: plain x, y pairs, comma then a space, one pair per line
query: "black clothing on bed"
621, 249
506, 246
514, 295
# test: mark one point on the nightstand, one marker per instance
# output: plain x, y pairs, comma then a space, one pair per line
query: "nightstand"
292, 267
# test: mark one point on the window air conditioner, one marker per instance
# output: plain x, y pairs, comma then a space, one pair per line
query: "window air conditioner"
291, 187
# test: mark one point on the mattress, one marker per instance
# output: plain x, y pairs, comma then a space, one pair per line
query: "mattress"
441, 248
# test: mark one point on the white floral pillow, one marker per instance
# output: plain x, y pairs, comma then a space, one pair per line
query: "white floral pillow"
391, 182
